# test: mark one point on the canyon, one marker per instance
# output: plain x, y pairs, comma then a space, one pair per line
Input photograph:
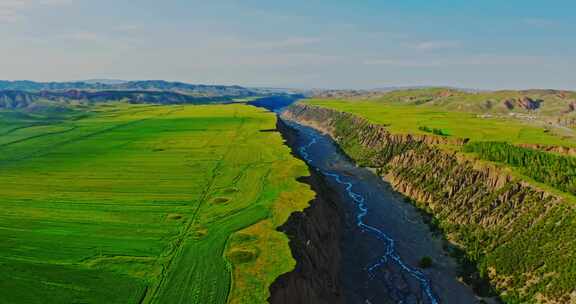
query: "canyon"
515, 236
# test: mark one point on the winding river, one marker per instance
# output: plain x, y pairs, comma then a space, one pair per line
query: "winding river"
385, 237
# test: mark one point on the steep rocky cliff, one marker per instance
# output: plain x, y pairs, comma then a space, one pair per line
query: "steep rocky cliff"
315, 242
520, 237
554, 149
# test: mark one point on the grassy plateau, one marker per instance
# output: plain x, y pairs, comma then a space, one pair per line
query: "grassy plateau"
401, 113
119, 203
412, 119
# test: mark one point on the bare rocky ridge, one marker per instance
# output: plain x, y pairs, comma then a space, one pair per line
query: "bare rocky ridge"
525, 103
555, 149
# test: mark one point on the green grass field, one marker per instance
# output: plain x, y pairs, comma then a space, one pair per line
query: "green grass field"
406, 118
137, 204
401, 118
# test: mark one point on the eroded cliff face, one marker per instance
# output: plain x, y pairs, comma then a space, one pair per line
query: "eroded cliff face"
517, 234
554, 149
315, 236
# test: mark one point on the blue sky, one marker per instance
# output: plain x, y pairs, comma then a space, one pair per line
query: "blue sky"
299, 43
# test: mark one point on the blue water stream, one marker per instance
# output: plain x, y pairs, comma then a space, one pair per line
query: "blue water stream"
390, 255
375, 263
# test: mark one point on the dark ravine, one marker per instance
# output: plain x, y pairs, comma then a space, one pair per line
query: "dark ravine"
315, 240
315, 234
384, 238
346, 255
502, 222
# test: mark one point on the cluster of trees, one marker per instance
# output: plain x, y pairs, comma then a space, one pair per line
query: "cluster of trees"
554, 170
435, 131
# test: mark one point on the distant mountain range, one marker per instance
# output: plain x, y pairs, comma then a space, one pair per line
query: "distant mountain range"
105, 81
197, 90
31, 95
15, 99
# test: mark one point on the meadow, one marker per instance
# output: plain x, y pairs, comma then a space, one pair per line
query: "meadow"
119, 203
483, 133
412, 119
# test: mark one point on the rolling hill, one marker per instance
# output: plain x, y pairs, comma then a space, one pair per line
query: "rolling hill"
550, 106
29, 100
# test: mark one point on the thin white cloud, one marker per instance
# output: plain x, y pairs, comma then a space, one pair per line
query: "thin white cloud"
128, 28
268, 61
286, 43
9, 10
13, 4
402, 63
84, 36
437, 45
113, 35
56, 2
472, 60
540, 22
8, 16
501, 60
12, 11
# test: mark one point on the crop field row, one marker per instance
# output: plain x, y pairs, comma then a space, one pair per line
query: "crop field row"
144, 204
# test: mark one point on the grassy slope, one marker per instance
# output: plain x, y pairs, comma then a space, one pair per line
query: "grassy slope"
403, 118
138, 202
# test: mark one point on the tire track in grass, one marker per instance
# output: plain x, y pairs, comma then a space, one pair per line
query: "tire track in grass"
21, 140
32, 125
178, 246
220, 231
195, 286
50, 148
208, 190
